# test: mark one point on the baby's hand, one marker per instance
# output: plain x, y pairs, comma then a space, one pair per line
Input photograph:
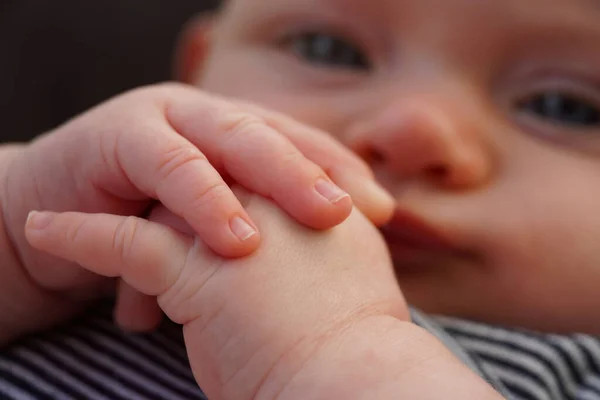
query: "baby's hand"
252, 324
173, 144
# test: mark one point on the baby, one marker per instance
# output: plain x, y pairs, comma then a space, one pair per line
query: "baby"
478, 117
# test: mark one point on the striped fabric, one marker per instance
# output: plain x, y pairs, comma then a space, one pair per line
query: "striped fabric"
530, 366
91, 359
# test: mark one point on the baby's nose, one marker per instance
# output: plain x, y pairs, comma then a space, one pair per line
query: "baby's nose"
427, 140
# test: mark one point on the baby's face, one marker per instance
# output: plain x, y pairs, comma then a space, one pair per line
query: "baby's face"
482, 117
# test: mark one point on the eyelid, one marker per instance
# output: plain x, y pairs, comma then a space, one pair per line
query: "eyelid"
372, 46
583, 139
536, 77
288, 41
581, 93
574, 87
522, 87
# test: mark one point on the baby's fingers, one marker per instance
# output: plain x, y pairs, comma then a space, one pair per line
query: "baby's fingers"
344, 167
145, 254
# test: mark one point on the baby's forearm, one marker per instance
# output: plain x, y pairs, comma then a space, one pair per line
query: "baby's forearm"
383, 358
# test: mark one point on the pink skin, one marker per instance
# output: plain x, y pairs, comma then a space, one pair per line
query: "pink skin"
251, 331
169, 143
512, 195
437, 117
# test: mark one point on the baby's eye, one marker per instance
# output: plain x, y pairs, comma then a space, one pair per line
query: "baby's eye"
327, 50
563, 109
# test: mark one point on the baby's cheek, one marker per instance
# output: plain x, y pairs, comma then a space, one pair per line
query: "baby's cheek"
542, 264
160, 214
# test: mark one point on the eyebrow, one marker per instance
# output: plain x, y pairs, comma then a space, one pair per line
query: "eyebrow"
337, 5
335, 9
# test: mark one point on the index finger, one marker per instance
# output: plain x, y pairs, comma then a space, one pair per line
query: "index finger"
186, 138
342, 165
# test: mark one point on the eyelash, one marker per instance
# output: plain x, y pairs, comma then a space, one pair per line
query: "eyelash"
327, 51
336, 52
562, 108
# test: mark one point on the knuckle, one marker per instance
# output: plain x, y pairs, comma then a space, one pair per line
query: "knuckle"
180, 298
212, 194
124, 236
320, 147
177, 158
236, 123
294, 160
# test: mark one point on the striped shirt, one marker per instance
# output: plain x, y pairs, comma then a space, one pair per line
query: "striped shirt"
91, 359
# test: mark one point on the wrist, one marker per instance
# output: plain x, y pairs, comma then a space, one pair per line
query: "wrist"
380, 357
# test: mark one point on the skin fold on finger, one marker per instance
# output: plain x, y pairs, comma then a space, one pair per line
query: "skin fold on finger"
151, 258
261, 159
173, 170
162, 215
137, 250
344, 167
135, 311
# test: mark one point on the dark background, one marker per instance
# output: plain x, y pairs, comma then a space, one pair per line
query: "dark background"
60, 57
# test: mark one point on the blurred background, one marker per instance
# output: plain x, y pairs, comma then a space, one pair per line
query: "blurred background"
60, 57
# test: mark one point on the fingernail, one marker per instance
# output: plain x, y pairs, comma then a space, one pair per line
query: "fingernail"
38, 220
242, 229
377, 192
330, 191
